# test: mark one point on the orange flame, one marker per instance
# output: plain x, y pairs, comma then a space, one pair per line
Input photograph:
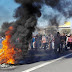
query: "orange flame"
7, 53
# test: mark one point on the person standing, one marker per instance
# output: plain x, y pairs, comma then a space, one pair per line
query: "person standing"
49, 41
67, 43
38, 41
44, 42
52, 41
33, 39
57, 42
70, 41
63, 41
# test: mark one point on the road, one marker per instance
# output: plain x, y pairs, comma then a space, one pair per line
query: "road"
60, 64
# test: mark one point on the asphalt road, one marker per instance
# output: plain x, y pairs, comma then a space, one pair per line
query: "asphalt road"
63, 64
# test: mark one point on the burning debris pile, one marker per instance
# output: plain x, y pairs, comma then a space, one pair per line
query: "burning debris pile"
8, 51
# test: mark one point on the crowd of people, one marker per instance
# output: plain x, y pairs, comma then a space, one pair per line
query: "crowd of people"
59, 42
42, 42
62, 42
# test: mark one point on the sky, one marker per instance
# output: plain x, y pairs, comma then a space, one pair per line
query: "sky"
7, 10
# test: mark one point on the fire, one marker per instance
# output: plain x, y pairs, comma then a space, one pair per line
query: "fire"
7, 53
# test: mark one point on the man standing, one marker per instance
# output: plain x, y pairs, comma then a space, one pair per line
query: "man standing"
57, 42
63, 41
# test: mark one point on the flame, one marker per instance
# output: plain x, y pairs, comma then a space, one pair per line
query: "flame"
11, 28
7, 53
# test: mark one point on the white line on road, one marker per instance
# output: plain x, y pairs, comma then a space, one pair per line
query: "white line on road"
44, 64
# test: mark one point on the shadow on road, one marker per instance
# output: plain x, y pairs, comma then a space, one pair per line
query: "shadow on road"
40, 55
